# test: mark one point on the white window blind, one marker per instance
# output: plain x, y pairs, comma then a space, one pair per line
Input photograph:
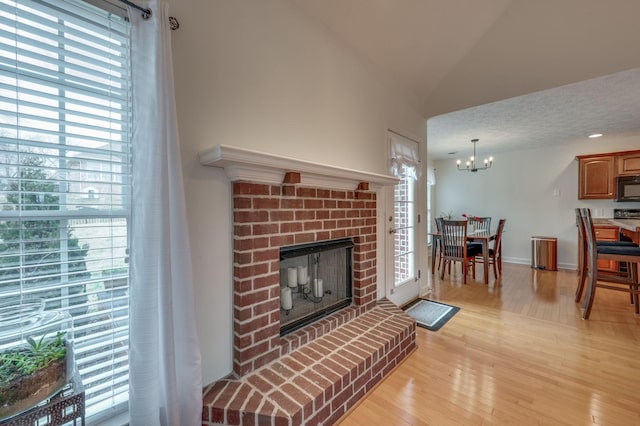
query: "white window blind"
65, 113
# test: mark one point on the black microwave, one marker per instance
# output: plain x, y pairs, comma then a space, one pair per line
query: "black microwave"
628, 188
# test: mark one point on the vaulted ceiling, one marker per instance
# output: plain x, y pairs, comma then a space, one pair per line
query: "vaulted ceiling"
450, 56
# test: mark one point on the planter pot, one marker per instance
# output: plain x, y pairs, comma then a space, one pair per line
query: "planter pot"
23, 392
36, 355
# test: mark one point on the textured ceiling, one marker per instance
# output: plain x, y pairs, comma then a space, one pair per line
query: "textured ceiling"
608, 105
484, 69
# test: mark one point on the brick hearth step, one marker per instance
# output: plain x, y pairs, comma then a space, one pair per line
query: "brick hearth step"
319, 382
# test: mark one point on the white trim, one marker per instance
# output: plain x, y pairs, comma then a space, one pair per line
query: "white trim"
242, 164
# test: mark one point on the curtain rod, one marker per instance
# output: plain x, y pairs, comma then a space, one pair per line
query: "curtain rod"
146, 13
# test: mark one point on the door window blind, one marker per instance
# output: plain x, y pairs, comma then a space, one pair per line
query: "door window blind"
65, 167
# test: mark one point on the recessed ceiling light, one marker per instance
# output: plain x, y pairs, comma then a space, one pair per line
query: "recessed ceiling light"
595, 135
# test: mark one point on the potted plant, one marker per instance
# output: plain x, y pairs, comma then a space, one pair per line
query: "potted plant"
32, 372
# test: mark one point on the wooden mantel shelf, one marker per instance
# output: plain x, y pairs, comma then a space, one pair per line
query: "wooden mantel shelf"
254, 166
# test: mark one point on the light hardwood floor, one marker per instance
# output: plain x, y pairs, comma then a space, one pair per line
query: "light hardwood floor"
517, 353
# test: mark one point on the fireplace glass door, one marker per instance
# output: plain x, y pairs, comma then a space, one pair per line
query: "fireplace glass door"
315, 280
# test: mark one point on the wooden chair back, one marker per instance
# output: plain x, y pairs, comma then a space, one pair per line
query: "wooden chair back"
498, 241
483, 224
454, 239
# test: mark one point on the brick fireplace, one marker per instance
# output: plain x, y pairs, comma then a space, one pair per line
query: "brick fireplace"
314, 374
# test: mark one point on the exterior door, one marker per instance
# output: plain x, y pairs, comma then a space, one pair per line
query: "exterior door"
402, 283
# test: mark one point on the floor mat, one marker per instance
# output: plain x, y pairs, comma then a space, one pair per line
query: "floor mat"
429, 314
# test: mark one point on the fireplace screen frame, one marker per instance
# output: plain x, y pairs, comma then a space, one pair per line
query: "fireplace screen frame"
306, 256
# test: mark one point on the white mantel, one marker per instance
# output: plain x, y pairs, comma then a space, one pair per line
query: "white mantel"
254, 166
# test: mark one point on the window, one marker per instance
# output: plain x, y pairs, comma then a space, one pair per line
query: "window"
404, 217
65, 168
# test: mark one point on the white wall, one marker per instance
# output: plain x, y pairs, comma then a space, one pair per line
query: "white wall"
259, 75
520, 187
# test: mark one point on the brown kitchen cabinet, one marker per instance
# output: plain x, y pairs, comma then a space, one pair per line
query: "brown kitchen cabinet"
629, 164
596, 177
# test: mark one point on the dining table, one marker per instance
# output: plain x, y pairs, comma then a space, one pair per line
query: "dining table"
473, 236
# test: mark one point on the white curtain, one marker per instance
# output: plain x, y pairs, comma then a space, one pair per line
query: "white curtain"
165, 371
403, 152
431, 176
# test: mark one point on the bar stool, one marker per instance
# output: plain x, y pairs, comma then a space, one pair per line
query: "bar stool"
583, 270
598, 279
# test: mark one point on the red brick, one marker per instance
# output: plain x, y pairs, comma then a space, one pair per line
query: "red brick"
306, 192
241, 203
281, 215
281, 241
266, 255
276, 190
265, 229
264, 334
242, 314
266, 281
245, 188
242, 230
330, 204
344, 204
266, 203
310, 226
313, 204
363, 186
244, 216
344, 223
323, 214
242, 258
288, 191
291, 177
302, 215
250, 243
240, 342
255, 323
296, 394
282, 400
242, 368
293, 364
270, 377
240, 398
330, 224
364, 195
266, 358
265, 307
289, 227
322, 236
304, 238
341, 195
250, 270
301, 358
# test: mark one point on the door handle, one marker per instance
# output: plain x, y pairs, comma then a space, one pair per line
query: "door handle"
392, 230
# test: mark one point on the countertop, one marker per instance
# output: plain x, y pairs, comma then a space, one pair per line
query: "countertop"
632, 225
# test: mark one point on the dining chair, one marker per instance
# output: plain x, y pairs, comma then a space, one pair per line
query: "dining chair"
482, 224
599, 279
438, 241
495, 252
455, 247
583, 257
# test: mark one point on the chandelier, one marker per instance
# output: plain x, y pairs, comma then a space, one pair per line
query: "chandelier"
471, 165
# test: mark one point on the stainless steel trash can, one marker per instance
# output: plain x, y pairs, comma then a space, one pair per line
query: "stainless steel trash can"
544, 253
